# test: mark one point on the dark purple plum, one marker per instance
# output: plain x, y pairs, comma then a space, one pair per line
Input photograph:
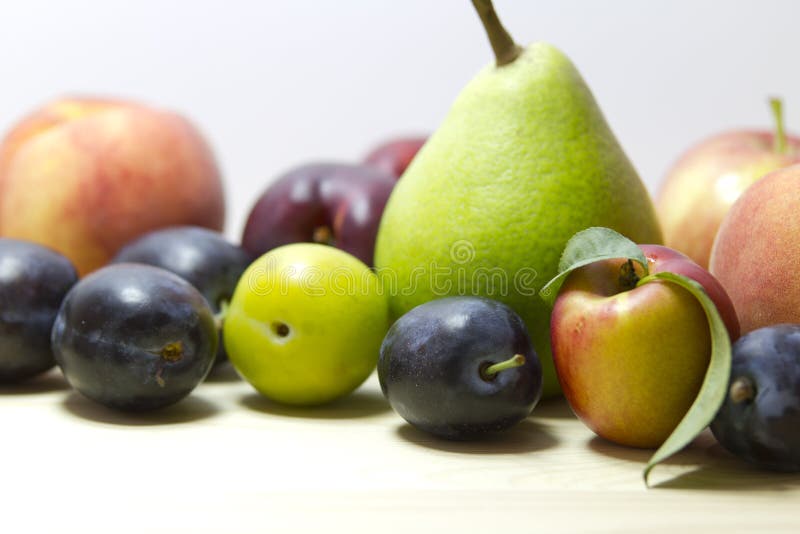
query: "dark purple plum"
394, 156
760, 418
330, 203
200, 256
460, 367
33, 282
134, 337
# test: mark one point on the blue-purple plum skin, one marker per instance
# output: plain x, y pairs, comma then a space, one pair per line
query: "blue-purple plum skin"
430, 368
134, 337
202, 257
33, 282
762, 425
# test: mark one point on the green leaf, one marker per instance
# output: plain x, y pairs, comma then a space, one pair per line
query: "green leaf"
588, 246
712, 392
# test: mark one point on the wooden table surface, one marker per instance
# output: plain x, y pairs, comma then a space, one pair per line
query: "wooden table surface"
227, 460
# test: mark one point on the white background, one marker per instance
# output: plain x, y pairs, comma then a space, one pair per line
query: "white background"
277, 83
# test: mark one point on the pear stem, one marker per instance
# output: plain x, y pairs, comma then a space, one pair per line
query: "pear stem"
504, 47
780, 133
514, 361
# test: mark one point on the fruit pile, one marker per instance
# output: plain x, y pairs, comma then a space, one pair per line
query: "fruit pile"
494, 264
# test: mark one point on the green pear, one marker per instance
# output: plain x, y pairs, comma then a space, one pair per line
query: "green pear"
523, 161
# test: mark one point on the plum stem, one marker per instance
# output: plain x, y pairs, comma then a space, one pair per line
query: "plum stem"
219, 317
779, 145
504, 47
490, 371
742, 390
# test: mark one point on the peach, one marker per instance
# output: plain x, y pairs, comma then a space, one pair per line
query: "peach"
85, 176
758, 248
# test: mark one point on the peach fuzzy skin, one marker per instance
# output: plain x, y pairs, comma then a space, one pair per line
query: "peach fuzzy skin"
702, 186
48, 117
757, 251
630, 364
86, 184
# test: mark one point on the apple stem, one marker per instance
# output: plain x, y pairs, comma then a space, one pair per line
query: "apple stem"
779, 145
489, 372
504, 47
219, 317
742, 390
627, 276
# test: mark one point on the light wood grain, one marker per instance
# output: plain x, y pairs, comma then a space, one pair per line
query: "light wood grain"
226, 460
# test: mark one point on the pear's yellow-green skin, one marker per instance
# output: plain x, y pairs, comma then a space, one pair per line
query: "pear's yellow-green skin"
523, 161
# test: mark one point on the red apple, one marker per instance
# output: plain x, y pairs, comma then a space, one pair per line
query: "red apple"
757, 251
86, 176
707, 180
631, 360
395, 156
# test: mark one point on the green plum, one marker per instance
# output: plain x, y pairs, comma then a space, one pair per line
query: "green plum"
305, 324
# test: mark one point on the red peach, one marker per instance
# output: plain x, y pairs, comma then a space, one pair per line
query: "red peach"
757, 250
86, 176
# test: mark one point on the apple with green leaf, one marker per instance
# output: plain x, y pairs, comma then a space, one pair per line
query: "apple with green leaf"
631, 338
